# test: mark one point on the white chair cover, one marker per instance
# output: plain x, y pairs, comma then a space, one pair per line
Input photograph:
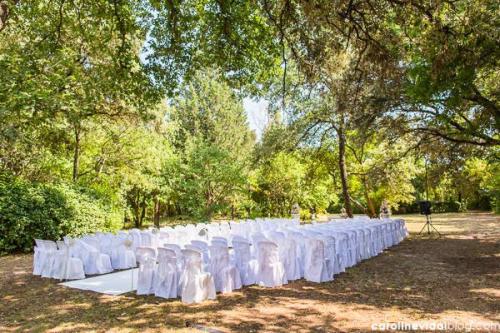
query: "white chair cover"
146, 256
40, 257
65, 267
289, 257
196, 285
226, 276
244, 262
136, 238
280, 250
94, 262
166, 275
315, 268
49, 254
122, 254
271, 272
203, 248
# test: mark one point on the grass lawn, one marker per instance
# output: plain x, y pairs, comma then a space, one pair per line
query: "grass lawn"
455, 278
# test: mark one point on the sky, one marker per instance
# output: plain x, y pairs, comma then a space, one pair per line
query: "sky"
257, 114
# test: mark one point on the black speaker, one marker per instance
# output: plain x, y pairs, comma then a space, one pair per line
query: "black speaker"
425, 207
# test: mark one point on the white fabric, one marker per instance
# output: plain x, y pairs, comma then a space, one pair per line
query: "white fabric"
48, 251
271, 272
288, 250
166, 277
196, 285
135, 234
65, 267
122, 253
146, 239
221, 241
146, 256
226, 276
94, 262
110, 284
246, 265
269, 252
203, 248
41, 260
315, 269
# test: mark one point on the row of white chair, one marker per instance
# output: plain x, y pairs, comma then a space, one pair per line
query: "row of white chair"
101, 253
266, 252
315, 252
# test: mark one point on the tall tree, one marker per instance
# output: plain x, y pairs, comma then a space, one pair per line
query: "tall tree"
214, 143
65, 66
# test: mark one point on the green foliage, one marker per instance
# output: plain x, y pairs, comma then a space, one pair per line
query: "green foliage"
66, 68
211, 180
31, 210
289, 178
453, 69
213, 144
188, 36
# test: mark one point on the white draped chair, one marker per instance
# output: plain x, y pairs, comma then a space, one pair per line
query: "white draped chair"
300, 249
196, 285
202, 246
226, 276
269, 252
256, 238
94, 262
101, 241
146, 239
136, 238
218, 240
246, 265
333, 253
315, 266
238, 238
347, 248
47, 253
225, 229
122, 253
146, 256
41, 257
163, 237
64, 266
175, 247
166, 277
271, 272
403, 231
370, 242
288, 250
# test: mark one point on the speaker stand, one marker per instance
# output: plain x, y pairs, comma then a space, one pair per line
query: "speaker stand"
430, 226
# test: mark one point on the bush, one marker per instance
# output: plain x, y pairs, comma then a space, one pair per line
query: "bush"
33, 210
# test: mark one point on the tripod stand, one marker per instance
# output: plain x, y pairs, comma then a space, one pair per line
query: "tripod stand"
429, 226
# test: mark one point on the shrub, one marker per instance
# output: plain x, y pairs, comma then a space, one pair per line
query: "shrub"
34, 210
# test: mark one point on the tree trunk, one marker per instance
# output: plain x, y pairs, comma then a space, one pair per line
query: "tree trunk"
369, 201
76, 153
143, 210
5, 11
343, 171
137, 217
156, 212
134, 202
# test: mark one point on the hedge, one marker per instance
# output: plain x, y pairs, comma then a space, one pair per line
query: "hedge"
50, 211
